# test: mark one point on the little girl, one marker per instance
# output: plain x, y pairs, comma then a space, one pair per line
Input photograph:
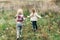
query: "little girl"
19, 22
34, 17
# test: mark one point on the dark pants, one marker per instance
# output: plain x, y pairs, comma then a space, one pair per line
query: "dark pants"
34, 24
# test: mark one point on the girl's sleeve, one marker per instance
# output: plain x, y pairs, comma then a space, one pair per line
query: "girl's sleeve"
24, 17
38, 15
29, 15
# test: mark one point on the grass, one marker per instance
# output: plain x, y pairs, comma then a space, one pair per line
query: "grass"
47, 27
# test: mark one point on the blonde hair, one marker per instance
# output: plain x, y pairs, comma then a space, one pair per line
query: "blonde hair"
20, 11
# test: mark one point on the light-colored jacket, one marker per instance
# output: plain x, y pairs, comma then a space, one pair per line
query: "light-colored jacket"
34, 17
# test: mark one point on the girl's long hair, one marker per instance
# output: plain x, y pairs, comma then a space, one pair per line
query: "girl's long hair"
20, 11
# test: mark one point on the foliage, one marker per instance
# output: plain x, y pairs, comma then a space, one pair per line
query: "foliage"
48, 28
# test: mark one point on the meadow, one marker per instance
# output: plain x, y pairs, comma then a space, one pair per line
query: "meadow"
48, 26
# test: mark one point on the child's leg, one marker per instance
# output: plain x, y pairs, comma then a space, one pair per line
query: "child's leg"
34, 26
17, 32
20, 31
20, 27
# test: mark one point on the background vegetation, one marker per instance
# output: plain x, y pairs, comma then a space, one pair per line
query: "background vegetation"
48, 25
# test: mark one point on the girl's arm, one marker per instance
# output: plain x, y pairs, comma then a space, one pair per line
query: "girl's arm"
24, 18
38, 16
30, 15
16, 15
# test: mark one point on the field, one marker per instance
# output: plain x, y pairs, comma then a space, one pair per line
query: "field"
48, 26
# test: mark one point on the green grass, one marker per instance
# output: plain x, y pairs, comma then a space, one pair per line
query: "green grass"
8, 27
